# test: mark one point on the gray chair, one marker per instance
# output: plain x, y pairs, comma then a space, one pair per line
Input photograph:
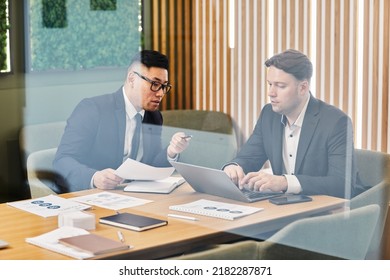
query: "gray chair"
374, 171
214, 139
344, 235
40, 173
36, 137
34, 142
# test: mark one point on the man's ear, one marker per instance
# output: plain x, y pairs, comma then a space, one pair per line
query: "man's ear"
130, 77
303, 86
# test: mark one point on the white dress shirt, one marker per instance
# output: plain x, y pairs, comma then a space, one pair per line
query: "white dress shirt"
292, 134
130, 128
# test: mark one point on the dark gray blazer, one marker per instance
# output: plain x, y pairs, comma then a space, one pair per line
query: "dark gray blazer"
94, 140
325, 161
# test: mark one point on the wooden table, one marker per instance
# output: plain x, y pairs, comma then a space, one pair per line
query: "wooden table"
177, 237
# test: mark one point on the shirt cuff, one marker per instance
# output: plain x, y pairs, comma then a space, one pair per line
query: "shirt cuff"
91, 185
293, 185
172, 159
230, 163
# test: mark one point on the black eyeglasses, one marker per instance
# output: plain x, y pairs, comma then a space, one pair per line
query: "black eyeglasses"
154, 85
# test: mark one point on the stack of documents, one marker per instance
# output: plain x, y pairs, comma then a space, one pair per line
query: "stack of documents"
145, 178
76, 243
50, 241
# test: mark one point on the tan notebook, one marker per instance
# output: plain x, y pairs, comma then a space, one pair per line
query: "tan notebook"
94, 244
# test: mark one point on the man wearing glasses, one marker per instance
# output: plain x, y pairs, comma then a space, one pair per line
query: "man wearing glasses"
104, 131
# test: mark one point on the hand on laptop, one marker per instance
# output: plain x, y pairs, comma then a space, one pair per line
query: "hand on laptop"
263, 181
256, 181
235, 173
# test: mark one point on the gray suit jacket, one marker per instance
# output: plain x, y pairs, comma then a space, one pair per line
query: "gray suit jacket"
325, 161
94, 140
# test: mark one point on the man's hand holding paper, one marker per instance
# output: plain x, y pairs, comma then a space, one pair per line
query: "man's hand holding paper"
106, 179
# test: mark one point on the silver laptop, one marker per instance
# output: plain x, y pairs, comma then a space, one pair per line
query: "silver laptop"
217, 182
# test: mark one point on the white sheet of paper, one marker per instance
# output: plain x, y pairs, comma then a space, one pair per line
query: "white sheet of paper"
48, 206
228, 211
135, 170
110, 200
49, 241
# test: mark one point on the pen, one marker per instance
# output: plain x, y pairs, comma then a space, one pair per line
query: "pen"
186, 137
182, 217
120, 236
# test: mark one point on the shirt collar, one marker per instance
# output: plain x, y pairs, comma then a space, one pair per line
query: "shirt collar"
130, 109
299, 121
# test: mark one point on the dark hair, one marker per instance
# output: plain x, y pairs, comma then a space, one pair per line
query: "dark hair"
292, 62
151, 58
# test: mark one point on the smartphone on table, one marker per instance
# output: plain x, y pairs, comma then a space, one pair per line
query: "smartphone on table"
289, 199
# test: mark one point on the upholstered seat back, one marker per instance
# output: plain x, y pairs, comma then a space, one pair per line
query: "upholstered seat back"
214, 139
38, 137
374, 171
40, 174
344, 235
